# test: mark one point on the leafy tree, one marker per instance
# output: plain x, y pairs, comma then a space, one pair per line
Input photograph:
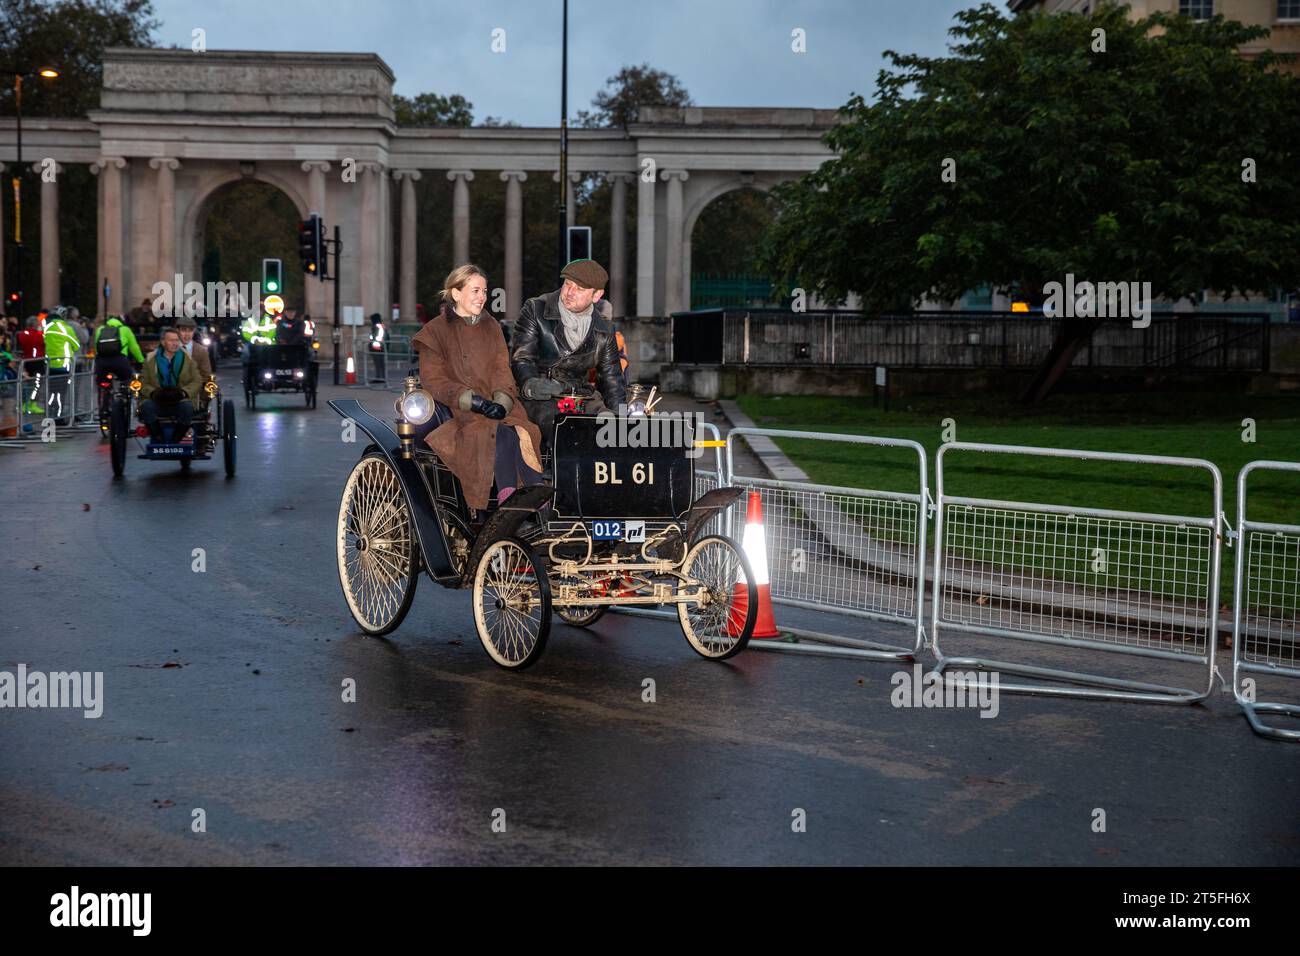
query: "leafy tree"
633, 87
70, 36
430, 109
1122, 165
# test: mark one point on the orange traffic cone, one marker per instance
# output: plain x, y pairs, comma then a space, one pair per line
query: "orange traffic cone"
351, 378
754, 545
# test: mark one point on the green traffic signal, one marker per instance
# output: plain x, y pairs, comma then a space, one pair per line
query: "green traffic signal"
271, 275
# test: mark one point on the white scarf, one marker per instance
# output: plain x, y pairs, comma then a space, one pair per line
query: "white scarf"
576, 324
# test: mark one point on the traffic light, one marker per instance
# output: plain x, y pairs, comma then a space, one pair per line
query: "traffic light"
271, 278
311, 246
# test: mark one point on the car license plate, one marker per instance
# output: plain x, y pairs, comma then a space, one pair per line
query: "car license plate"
171, 449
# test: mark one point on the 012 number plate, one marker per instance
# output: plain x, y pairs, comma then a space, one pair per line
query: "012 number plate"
618, 530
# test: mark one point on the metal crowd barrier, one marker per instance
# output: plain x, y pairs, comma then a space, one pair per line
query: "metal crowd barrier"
1266, 605
387, 369
706, 479
10, 410
83, 394
857, 552
1088, 578
30, 390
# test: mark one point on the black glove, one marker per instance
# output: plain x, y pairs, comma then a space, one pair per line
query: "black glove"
542, 388
487, 408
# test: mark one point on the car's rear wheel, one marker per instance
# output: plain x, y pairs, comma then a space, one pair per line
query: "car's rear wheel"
378, 559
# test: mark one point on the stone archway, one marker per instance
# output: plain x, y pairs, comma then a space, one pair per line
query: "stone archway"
210, 189
702, 202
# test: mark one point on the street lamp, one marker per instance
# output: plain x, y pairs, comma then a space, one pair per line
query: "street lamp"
564, 138
18, 75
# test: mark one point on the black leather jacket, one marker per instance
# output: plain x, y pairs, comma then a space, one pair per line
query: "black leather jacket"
539, 349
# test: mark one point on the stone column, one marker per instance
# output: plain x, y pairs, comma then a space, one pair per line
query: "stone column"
645, 246
673, 249
167, 167
110, 213
460, 215
49, 234
514, 242
369, 246
316, 170
319, 297
570, 201
406, 282
618, 242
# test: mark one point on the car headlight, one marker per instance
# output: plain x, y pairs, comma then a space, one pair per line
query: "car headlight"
206, 341
416, 407
297, 373
211, 388
267, 375
136, 385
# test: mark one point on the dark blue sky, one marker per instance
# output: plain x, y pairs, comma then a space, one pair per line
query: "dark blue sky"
725, 52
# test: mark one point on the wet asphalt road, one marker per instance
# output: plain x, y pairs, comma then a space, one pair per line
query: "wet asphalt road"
251, 726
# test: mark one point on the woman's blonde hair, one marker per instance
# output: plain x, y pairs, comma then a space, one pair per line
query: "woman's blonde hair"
456, 279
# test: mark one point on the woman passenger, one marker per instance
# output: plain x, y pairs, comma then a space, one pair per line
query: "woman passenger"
465, 365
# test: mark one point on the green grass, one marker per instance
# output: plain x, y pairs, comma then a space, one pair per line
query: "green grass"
1178, 425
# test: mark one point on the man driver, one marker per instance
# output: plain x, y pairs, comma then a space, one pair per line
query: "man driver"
171, 386
560, 336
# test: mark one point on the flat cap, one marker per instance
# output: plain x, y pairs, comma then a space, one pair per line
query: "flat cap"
587, 273
185, 322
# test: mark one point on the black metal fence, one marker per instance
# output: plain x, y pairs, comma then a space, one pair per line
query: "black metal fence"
1229, 340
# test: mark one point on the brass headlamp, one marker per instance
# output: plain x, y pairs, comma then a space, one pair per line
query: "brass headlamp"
414, 407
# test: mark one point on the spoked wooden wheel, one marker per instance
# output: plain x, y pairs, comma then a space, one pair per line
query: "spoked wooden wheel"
377, 554
512, 603
583, 615
719, 622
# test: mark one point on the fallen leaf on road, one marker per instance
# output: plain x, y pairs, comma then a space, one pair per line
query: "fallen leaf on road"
348, 730
111, 766
162, 804
85, 506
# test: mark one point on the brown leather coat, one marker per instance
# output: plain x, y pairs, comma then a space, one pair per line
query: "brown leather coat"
458, 361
